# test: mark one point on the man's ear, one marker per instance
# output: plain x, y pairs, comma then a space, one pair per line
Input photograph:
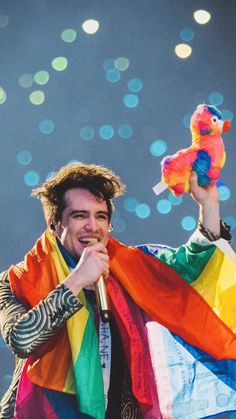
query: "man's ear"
54, 227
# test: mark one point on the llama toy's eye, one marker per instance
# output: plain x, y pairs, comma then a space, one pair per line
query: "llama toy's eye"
214, 119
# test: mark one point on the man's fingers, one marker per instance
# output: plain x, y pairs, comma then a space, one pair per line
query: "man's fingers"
193, 180
98, 247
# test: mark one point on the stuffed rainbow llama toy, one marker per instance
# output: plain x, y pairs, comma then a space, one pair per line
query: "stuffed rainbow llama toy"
206, 155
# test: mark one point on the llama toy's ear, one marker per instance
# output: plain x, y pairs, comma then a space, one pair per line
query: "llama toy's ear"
200, 108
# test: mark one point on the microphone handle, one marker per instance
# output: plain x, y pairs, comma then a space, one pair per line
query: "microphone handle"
102, 299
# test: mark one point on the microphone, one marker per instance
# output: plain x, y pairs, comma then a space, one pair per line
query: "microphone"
102, 299
101, 296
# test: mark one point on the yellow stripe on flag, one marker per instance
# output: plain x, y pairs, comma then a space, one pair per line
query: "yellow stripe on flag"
217, 285
77, 323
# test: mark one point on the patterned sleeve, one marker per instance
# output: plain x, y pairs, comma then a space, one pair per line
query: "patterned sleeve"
26, 330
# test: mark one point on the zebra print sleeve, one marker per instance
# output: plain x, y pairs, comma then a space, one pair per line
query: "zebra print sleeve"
26, 330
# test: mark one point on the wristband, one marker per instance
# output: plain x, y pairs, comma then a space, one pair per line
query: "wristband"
211, 236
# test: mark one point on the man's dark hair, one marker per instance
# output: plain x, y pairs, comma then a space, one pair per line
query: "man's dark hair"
98, 180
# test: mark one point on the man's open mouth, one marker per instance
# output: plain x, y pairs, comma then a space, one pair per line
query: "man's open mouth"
88, 240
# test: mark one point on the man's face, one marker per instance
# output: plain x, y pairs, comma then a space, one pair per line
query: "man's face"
84, 218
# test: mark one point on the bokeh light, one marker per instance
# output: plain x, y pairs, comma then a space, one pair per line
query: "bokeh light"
227, 114
163, 206
4, 20
125, 131
31, 178
87, 132
215, 98
118, 222
131, 100
175, 200
59, 63
135, 85
186, 120
24, 157
229, 219
224, 192
50, 175
26, 80
158, 147
46, 126
41, 77
202, 16
188, 223
108, 64
113, 75
183, 50
37, 97
122, 63
142, 210
130, 204
68, 35
106, 132
3, 96
90, 26
187, 34
119, 225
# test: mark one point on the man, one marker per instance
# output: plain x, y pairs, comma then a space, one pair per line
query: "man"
49, 315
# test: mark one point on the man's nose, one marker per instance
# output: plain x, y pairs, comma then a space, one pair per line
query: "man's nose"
92, 224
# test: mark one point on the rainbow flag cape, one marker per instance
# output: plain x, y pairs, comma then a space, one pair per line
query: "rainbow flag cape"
188, 299
191, 384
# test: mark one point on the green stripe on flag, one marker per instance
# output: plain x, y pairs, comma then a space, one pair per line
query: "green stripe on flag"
88, 373
188, 260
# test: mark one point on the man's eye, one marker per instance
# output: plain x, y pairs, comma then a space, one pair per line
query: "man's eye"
79, 216
103, 217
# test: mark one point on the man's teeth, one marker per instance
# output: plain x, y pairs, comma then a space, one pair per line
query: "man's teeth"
88, 240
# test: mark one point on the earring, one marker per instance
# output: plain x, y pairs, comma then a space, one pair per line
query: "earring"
110, 228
